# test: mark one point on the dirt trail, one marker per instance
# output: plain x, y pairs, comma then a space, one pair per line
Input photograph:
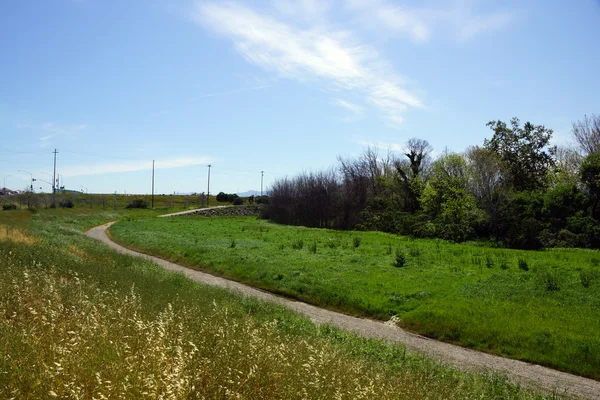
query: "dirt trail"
525, 374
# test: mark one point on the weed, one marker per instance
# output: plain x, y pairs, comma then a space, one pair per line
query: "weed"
313, 248
388, 249
356, 241
489, 261
550, 279
586, 277
232, 243
414, 251
298, 244
503, 265
522, 263
400, 260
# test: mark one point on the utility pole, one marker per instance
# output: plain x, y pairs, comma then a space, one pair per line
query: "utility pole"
54, 180
262, 173
208, 191
153, 184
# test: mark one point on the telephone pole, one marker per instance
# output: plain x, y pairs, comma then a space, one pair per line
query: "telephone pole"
54, 180
153, 184
208, 191
262, 173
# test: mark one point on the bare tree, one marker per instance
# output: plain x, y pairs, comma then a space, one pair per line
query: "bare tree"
568, 161
587, 134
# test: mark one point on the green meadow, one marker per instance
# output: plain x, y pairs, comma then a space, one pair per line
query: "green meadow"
78, 320
539, 306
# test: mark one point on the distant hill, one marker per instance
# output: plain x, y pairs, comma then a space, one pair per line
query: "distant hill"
251, 193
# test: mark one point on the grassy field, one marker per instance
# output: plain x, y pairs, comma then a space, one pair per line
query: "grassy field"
537, 306
78, 320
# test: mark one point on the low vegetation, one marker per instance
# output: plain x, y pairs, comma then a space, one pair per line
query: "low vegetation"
80, 321
538, 306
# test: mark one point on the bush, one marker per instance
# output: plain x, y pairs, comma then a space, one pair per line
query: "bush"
238, 201
400, 261
9, 206
226, 197
523, 264
550, 279
137, 203
66, 203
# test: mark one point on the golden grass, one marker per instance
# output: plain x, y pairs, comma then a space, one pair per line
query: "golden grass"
64, 337
15, 235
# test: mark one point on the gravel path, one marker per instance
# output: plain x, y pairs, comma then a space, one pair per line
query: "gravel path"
525, 374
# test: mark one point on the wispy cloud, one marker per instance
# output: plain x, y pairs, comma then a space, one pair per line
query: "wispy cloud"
51, 130
356, 110
132, 166
459, 19
333, 59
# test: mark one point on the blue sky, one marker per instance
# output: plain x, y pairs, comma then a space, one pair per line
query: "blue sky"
275, 86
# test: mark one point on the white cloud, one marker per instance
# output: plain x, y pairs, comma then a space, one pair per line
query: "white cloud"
52, 129
459, 18
355, 109
333, 59
132, 166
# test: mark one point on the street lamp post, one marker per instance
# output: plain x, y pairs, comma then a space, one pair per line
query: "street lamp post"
32, 180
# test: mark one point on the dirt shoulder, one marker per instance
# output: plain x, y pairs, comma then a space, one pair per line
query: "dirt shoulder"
525, 374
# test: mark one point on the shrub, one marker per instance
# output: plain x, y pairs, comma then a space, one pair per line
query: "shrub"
550, 280
66, 203
226, 197
356, 241
9, 206
238, 201
523, 264
137, 203
400, 261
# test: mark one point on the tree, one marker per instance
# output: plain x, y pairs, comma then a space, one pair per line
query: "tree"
590, 176
410, 173
524, 152
447, 200
587, 134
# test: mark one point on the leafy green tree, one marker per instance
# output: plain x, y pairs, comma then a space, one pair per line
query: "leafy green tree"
590, 176
447, 200
524, 151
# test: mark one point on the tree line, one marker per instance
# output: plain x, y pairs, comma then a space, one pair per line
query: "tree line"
514, 189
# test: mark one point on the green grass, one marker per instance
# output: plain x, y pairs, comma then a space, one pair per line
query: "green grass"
78, 320
481, 297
